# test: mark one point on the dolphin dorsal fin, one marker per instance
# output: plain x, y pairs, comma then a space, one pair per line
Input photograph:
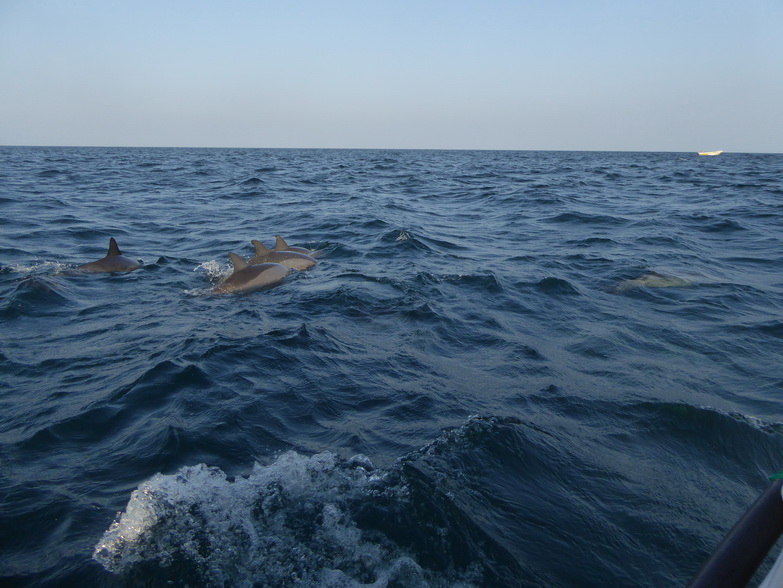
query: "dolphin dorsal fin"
280, 244
261, 249
114, 249
237, 261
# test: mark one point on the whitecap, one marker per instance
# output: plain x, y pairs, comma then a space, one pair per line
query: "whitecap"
286, 523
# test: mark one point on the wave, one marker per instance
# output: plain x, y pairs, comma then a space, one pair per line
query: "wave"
721, 438
53, 173
724, 226
594, 242
37, 296
392, 243
486, 282
580, 218
300, 521
443, 514
557, 287
772, 328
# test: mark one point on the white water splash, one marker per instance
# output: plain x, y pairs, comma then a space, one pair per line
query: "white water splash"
288, 523
215, 271
43, 267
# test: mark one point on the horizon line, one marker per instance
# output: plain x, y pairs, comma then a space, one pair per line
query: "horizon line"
374, 149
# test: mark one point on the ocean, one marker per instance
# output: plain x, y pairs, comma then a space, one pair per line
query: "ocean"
506, 369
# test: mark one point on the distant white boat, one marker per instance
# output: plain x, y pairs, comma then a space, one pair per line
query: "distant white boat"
710, 152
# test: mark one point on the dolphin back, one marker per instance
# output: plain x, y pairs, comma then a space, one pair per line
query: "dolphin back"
292, 259
253, 277
114, 262
281, 245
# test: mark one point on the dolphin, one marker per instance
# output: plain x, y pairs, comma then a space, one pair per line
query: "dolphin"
292, 259
248, 277
281, 245
653, 280
114, 261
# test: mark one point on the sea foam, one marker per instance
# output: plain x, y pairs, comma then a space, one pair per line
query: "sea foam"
288, 523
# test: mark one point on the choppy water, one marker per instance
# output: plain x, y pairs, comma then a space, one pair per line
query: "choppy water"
477, 385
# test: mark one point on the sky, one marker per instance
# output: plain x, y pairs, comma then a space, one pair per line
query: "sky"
638, 75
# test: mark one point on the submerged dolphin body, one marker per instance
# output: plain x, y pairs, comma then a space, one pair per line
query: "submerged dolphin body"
114, 261
281, 245
251, 277
292, 259
653, 280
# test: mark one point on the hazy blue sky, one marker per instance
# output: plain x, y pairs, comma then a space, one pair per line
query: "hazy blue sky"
663, 75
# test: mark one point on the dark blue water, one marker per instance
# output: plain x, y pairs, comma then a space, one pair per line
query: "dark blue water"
507, 368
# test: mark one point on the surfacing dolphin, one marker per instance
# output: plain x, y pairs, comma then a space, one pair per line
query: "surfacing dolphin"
653, 280
281, 245
114, 261
248, 277
292, 259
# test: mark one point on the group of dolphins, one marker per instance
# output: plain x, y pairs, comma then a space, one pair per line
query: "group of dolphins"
267, 268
